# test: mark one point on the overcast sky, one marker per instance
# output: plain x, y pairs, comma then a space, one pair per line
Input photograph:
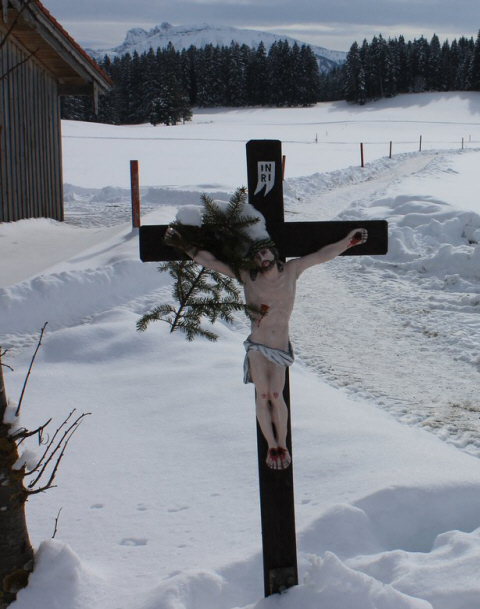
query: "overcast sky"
333, 24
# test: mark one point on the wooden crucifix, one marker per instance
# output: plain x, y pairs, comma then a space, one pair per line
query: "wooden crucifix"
294, 240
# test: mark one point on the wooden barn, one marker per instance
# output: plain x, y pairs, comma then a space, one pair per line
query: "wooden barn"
39, 62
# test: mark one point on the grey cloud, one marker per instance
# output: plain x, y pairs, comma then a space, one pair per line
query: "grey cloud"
439, 16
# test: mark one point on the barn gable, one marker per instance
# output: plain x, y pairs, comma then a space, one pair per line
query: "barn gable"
39, 62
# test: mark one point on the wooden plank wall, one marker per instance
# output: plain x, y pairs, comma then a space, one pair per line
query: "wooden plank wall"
30, 139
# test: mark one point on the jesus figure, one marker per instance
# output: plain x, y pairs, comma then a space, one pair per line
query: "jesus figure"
270, 289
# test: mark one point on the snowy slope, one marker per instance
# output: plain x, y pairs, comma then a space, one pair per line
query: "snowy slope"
159, 490
185, 36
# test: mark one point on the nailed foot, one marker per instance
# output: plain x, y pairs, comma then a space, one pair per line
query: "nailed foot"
278, 458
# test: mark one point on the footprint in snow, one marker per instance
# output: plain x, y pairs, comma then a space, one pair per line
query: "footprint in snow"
134, 541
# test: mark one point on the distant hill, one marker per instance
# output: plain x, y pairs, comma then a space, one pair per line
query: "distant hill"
184, 36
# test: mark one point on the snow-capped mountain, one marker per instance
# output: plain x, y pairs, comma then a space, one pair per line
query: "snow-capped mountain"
184, 36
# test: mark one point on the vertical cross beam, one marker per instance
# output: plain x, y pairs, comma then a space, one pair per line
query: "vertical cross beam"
265, 193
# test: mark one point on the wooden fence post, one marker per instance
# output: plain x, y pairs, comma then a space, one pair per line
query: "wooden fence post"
135, 194
361, 156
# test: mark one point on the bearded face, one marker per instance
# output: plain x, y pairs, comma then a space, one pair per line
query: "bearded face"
265, 259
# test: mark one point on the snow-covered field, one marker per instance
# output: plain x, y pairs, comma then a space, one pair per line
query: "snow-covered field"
158, 489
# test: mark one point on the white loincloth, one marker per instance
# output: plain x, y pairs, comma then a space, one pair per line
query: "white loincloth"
276, 356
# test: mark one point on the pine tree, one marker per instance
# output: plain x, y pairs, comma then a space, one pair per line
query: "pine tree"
434, 64
475, 69
391, 69
188, 78
234, 76
169, 103
445, 59
136, 91
309, 77
293, 93
354, 76
420, 50
210, 89
378, 54
256, 77
367, 60
466, 49
403, 67
279, 73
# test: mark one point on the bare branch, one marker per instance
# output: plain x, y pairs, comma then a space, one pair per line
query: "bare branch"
17, 412
50, 442
3, 394
2, 353
56, 523
22, 434
67, 436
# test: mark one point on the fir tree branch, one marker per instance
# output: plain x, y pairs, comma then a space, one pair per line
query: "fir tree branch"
204, 293
184, 301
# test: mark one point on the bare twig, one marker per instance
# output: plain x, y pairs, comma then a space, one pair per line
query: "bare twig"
2, 353
51, 443
3, 394
56, 523
67, 436
17, 412
23, 433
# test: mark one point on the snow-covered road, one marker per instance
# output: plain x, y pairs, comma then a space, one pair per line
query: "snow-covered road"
381, 335
355, 339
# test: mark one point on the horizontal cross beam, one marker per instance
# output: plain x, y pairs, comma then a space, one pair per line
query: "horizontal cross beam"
293, 239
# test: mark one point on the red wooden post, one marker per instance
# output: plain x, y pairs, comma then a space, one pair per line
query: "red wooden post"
135, 194
361, 155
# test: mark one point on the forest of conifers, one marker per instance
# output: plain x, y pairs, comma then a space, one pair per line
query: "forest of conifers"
161, 86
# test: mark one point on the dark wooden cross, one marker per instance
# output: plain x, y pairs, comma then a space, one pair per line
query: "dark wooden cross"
293, 239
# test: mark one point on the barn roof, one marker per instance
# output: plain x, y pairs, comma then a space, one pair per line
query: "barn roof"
40, 34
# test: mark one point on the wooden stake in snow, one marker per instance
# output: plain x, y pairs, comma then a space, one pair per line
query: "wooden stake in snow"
135, 188
265, 167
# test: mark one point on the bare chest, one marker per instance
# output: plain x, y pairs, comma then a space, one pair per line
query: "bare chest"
277, 292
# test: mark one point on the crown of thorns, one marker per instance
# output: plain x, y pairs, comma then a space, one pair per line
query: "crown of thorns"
258, 246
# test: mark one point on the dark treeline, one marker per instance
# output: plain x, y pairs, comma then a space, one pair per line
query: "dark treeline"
161, 86
384, 68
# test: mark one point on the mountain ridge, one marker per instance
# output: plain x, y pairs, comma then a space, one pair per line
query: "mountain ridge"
184, 36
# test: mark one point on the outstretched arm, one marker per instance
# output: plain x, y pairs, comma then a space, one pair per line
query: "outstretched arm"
202, 257
329, 252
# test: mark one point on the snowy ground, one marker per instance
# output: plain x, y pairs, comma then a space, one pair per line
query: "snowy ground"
159, 491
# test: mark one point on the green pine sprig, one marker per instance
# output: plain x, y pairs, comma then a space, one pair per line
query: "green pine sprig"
201, 293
